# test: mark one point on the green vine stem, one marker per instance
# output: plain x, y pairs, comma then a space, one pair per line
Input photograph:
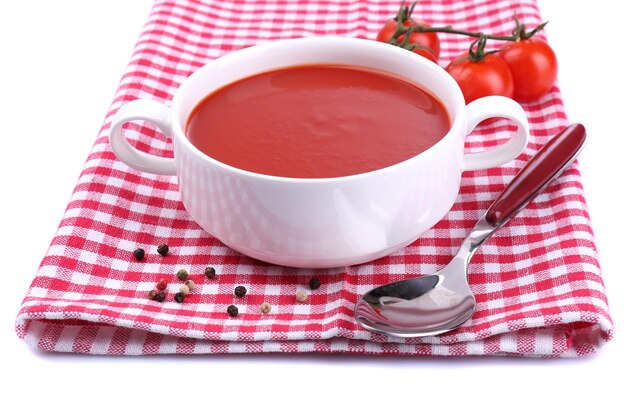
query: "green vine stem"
405, 12
406, 43
476, 51
450, 29
520, 29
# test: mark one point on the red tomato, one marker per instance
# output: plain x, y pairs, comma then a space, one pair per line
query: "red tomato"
426, 53
533, 65
428, 39
487, 77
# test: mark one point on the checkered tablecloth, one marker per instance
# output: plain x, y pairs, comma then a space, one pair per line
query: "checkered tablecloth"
537, 281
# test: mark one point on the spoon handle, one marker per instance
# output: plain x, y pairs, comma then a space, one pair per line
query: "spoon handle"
547, 164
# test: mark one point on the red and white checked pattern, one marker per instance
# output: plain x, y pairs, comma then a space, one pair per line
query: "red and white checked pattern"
537, 282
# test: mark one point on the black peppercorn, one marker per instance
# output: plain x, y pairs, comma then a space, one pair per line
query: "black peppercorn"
232, 310
163, 249
314, 283
139, 254
160, 297
179, 297
209, 272
240, 291
152, 294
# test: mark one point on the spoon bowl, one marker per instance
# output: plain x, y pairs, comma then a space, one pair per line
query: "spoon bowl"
422, 305
439, 303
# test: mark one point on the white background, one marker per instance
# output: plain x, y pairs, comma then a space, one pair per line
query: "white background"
60, 64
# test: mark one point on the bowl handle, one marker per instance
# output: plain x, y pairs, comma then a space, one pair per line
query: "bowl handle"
496, 106
151, 111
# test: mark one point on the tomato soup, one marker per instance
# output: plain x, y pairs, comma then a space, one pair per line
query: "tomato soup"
317, 121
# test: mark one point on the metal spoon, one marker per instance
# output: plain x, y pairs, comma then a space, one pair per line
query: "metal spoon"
438, 303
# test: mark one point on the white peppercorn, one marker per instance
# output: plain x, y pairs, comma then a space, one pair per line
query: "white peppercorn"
265, 308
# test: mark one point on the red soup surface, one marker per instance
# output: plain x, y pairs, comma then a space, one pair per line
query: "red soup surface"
317, 121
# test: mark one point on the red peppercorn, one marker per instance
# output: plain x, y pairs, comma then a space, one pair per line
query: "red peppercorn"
162, 284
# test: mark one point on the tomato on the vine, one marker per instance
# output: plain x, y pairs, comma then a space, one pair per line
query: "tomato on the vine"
487, 77
533, 65
524, 69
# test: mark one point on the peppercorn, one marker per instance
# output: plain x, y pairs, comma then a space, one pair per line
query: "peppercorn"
152, 294
162, 284
163, 249
314, 283
232, 310
182, 274
160, 297
179, 297
265, 308
139, 254
183, 289
189, 283
301, 296
209, 272
240, 291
